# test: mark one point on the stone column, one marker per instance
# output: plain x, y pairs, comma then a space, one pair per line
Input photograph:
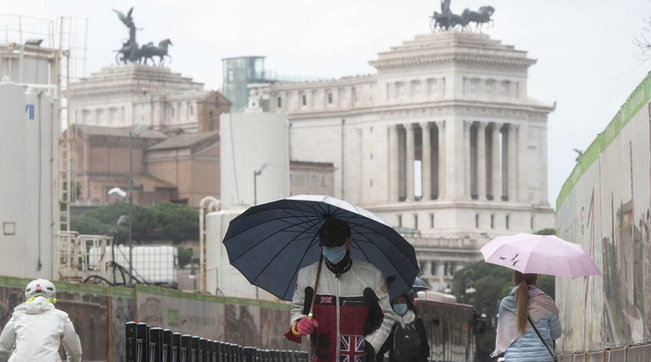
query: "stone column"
466, 159
409, 128
513, 161
495, 163
394, 168
440, 125
426, 161
481, 161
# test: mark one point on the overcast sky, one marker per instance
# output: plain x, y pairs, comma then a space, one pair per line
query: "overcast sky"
585, 52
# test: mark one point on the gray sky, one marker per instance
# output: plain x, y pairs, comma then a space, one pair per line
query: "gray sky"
586, 57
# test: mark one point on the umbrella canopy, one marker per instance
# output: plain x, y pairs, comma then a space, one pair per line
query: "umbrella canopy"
420, 284
540, 254
269, 243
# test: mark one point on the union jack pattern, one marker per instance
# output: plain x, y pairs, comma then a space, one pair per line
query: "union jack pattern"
326, 300
351, 349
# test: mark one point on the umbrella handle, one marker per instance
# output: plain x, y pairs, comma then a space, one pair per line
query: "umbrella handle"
316, 285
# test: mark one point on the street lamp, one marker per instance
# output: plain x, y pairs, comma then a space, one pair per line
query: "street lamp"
121, 194
257, 173
468, 285
132, 133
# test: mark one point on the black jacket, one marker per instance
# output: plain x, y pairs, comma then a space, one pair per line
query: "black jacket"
423, 352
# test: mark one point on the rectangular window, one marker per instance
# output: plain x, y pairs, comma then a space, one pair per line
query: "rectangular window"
415, 221
371, 182
304, 100
371, 155
506, 221
432, 268
431, 220
399, 220
329, 98
279, 102
477, 220
492, 221
531, 223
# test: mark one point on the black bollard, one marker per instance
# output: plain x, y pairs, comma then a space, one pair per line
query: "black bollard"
202, 350
176, 347
131, 350
142, 342
166, 347
155, 344
186, 341
194, 349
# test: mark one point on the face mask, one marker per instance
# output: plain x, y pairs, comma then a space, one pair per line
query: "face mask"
400, 309
334, 255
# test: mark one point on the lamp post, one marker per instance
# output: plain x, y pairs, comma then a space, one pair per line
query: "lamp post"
118, 193
468, 285
257, 173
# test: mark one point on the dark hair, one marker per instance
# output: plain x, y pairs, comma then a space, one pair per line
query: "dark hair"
333, 232
523, 281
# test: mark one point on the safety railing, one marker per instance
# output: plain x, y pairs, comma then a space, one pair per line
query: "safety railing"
145, 344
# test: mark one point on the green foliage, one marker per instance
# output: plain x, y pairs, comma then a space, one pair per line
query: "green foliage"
164, 221
547, 231
185, 256
175, 222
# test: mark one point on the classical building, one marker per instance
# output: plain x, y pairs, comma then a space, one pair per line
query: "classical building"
128, 95
314, 178
182, 168
443, 139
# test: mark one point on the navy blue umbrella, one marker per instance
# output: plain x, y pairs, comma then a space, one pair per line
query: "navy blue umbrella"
269, 243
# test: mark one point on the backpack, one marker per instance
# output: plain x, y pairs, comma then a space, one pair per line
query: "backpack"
406, 342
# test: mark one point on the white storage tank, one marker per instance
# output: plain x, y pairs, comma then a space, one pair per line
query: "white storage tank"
27, 215
221, 277
254, 150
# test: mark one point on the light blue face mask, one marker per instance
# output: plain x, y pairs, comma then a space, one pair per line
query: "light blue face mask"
400, 309
334, 255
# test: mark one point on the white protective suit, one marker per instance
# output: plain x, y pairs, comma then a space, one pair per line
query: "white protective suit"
36, 329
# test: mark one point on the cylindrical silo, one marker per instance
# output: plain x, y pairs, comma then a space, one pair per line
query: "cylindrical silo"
254, 158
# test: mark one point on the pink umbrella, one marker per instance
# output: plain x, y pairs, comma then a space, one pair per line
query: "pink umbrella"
540, 254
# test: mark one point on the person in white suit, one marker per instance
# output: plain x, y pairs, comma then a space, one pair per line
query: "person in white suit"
37, 329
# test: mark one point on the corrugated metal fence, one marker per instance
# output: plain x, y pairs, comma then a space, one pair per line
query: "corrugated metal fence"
632, 353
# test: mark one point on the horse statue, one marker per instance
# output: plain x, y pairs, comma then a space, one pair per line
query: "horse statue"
130, 51
481, 17
447, 20
149, 51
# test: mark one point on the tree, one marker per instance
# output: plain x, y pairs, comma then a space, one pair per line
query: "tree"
163, 222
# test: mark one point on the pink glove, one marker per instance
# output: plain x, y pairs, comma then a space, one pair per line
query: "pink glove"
306, 326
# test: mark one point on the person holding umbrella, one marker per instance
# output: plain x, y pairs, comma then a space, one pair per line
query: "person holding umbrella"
340, 302
528, 323
528, 320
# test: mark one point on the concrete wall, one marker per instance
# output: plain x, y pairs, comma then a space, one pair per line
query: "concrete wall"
604, 206
99, 314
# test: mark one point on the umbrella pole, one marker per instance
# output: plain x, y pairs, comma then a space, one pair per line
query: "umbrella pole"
316, 285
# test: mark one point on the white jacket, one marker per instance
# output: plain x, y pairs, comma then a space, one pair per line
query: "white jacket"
352, 283
36, 329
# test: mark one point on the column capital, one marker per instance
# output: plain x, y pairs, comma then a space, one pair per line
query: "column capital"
467, 124
514, 126
440, 124
424, 125
409, 127
482, 124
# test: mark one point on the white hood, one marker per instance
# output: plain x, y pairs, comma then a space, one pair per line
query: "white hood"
36, 330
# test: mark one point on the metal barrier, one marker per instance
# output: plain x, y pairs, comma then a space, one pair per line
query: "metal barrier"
145, 344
